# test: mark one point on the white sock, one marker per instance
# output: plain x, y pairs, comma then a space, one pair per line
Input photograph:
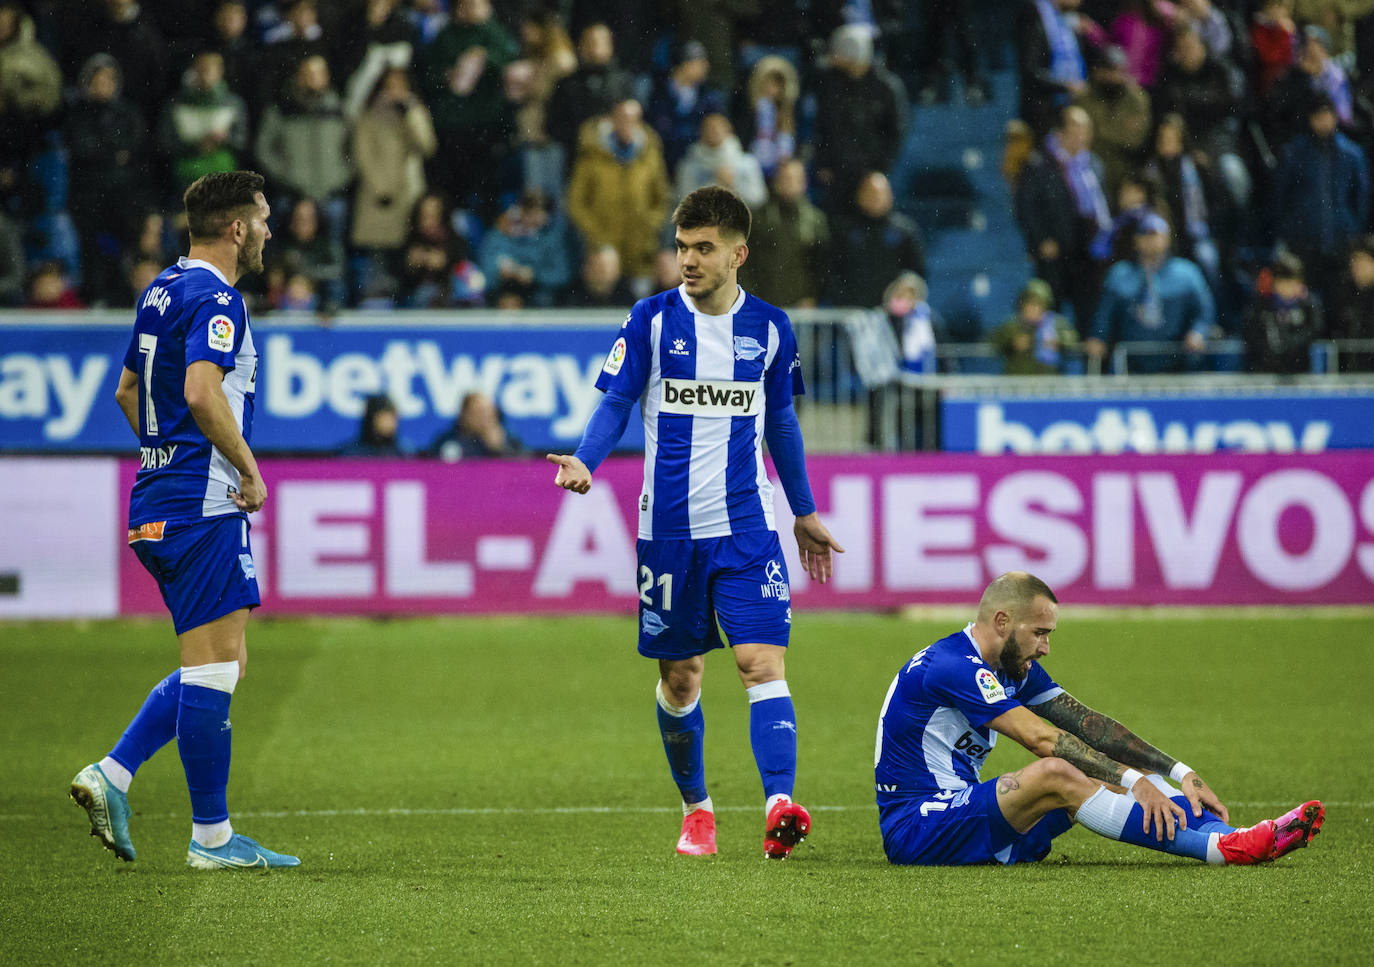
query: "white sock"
119, 776
773, 800
1213, 852
1105, 812
691, 807
211, 835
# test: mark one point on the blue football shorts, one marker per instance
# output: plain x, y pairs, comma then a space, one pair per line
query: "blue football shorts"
964, 829
692, 590
204, 568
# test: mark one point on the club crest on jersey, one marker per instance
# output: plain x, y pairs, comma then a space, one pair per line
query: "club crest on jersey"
651, 624
990, 687
679, 348
747, 347
616, 358
221, 334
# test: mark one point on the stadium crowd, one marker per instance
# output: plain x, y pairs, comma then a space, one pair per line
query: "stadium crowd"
1181, 170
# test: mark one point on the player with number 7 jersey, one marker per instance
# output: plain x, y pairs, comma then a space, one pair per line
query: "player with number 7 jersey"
714, 370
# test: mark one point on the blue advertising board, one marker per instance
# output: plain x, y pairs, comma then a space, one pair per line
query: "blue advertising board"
1276, 421
57, 383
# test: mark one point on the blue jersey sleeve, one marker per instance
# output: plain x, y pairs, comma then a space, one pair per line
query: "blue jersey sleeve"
215, 328
971, 687
1038, 687
783, 380
627, 365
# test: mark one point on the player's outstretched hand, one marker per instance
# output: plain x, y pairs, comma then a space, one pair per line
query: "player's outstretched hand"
572, 473
1202, 797
1161, 812
252, 493
814, 545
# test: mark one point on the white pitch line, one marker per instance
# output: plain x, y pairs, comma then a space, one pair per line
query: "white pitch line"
578, 811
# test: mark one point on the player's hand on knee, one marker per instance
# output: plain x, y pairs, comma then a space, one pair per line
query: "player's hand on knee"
1161, 812
1200, 797
572, 473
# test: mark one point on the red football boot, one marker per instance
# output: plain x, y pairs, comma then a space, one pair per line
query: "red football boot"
1246, 847
787, 825
698, 833
1296, 828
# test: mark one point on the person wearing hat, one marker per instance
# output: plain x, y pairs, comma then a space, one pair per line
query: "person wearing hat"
1283, 320
1155, 297
1033, 340
1314, 75
1120, 112
681, 101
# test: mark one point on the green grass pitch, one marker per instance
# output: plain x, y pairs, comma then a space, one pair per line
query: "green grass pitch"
493, 791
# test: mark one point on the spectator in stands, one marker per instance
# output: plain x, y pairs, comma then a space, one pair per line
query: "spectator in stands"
30, 97
1315, 76
601, 284
1351, 312
308, 249
1119, 109
298, 34
461, 75
105, 137
618, 193
1189, 193
1051, 63
681, 101
1273, 35
204, 127
905, 300
873, 245
49, 288
436, 270
789, 244
11, 262
768, 122
861, 113
242, 59
384, 41
1283, 321
140, 274
125, 31
544, 42
717, 158
1143, 30
1033, 341
1061, 207
1320, 199
302, 144
391, 141
428, 17
524, 256
716, 26
949, 24
1018, 145
1210, 24
1135, 199
378, 431
666, 273
593, 89
478, 431
1206, 92
1156, 297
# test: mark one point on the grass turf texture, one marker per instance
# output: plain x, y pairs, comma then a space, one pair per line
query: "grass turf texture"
416, 766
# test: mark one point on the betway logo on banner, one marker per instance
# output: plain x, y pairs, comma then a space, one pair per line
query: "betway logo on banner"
1277, 423
57, 385
389, 537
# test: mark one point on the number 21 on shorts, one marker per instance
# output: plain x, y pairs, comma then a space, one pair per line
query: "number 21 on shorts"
646, 586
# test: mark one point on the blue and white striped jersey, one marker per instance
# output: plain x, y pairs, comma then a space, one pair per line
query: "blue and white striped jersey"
189, 313
932, 734
704, 385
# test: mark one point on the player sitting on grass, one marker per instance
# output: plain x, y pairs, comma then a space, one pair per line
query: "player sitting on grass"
937, 726
714, 370
187, 391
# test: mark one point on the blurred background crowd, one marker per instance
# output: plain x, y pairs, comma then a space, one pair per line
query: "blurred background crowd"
1175, 171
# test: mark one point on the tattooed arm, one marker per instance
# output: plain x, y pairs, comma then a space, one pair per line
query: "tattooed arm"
1112, 739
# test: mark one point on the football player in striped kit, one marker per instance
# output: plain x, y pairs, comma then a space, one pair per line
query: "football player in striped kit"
714, 370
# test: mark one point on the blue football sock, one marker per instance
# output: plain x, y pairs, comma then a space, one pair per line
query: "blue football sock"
684, 740
1210, 822
1120, 817
203, 737
152, 727
773, 735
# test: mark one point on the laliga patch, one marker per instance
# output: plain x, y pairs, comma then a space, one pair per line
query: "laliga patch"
221, 334
616, 358
990, 687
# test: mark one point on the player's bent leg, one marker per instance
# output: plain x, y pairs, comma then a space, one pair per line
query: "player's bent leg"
1027, 795
773, 737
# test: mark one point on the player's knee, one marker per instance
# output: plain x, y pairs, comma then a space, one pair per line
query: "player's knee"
1053, 774
757, 667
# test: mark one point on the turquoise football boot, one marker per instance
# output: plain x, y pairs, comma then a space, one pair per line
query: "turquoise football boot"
108, 809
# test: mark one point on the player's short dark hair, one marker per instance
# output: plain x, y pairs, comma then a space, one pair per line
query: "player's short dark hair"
714, 207
216, 199
1012, 592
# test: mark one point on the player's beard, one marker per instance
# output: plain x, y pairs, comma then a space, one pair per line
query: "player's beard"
250, 254
706, 286
1012, 658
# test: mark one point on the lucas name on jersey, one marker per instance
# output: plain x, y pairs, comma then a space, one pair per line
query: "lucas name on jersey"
703, 397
